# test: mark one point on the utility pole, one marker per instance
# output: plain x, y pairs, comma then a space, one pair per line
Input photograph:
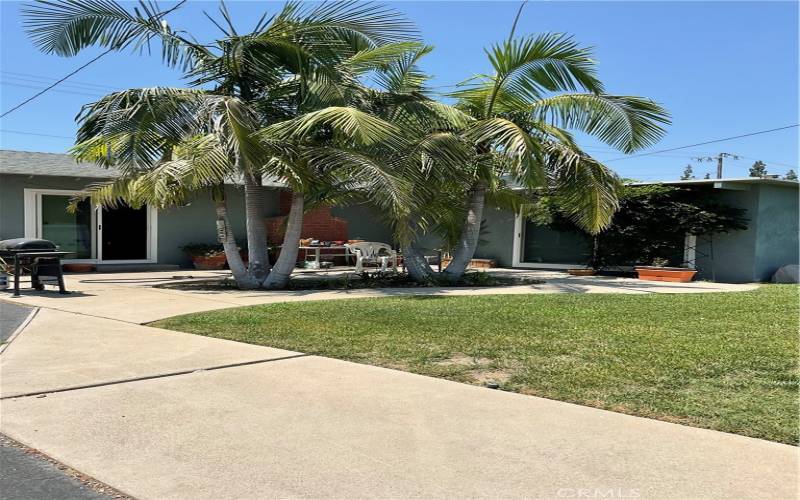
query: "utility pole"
719, 159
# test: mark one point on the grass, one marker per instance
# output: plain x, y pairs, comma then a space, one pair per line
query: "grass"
725, 361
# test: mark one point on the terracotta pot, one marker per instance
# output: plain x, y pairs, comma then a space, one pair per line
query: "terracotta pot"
673, 274
209, 263
581, 272
77, 268
473, 264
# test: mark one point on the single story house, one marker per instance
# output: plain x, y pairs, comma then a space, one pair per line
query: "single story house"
35, 188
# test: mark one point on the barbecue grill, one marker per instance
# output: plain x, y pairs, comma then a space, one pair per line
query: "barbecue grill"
42, 256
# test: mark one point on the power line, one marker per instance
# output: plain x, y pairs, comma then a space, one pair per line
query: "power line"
47, 79
34, 96
74, 72
706, 142
16, 80
64, 91
768, 162
23, 132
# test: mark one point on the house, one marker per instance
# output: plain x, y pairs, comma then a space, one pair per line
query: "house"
35, 188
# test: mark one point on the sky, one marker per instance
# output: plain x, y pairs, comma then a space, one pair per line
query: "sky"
720, 68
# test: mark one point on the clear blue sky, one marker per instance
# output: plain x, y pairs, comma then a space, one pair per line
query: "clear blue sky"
721, 68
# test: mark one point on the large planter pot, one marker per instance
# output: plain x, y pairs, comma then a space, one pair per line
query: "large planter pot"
673, 274
77, 268
473, 264
209, 263
581, 272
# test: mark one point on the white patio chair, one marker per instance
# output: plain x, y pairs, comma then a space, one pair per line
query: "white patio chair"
373, 252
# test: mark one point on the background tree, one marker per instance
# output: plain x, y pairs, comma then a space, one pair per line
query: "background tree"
688, 173
791, 175
651, 223
759, 169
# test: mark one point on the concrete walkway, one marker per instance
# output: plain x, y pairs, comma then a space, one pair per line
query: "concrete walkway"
168, 415
132, 297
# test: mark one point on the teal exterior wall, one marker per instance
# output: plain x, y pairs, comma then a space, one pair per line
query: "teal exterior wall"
497, 237
730, 257
196, 223
12, 217
364, 222
777, 230
769, 242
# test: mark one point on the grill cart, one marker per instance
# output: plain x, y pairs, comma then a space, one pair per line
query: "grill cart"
43, 258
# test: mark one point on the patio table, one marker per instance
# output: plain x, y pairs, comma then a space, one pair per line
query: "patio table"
338, 251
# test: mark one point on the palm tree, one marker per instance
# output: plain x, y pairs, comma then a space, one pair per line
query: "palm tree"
542, 87
173, 141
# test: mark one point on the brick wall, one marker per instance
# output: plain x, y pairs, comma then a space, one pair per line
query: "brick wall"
319, 223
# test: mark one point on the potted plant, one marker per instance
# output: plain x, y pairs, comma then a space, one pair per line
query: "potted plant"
659, 271
206, 256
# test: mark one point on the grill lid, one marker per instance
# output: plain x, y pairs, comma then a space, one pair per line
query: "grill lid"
26, 244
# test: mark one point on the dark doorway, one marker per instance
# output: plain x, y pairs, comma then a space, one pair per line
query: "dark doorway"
124, 233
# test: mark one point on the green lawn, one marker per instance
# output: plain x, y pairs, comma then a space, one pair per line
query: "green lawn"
725, 361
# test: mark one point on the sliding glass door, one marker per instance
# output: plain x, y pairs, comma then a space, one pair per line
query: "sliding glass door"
121, 234
538, 246
72, 232
544, 245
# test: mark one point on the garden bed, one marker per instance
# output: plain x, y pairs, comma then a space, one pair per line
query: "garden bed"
350, 281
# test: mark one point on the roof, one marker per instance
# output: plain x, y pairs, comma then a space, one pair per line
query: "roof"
52, 164
64, 165
717, 182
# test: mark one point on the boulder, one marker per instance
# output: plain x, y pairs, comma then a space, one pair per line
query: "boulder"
787, 274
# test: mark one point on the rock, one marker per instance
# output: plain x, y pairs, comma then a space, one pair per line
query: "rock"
787, 274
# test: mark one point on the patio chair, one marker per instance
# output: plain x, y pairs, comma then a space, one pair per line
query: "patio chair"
373, 252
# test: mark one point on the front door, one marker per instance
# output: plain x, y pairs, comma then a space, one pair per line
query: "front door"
123, 233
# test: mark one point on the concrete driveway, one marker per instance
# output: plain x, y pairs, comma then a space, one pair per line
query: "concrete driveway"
164, 415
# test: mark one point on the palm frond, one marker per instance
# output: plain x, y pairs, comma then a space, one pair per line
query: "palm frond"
132, 129
65, 27
362, 173
507, 139
349, 123
584, 187
529, 66
628, 123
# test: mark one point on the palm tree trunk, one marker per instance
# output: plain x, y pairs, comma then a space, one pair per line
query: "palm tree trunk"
258, 257
470, 233
418, 268
228, 240
287, 260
